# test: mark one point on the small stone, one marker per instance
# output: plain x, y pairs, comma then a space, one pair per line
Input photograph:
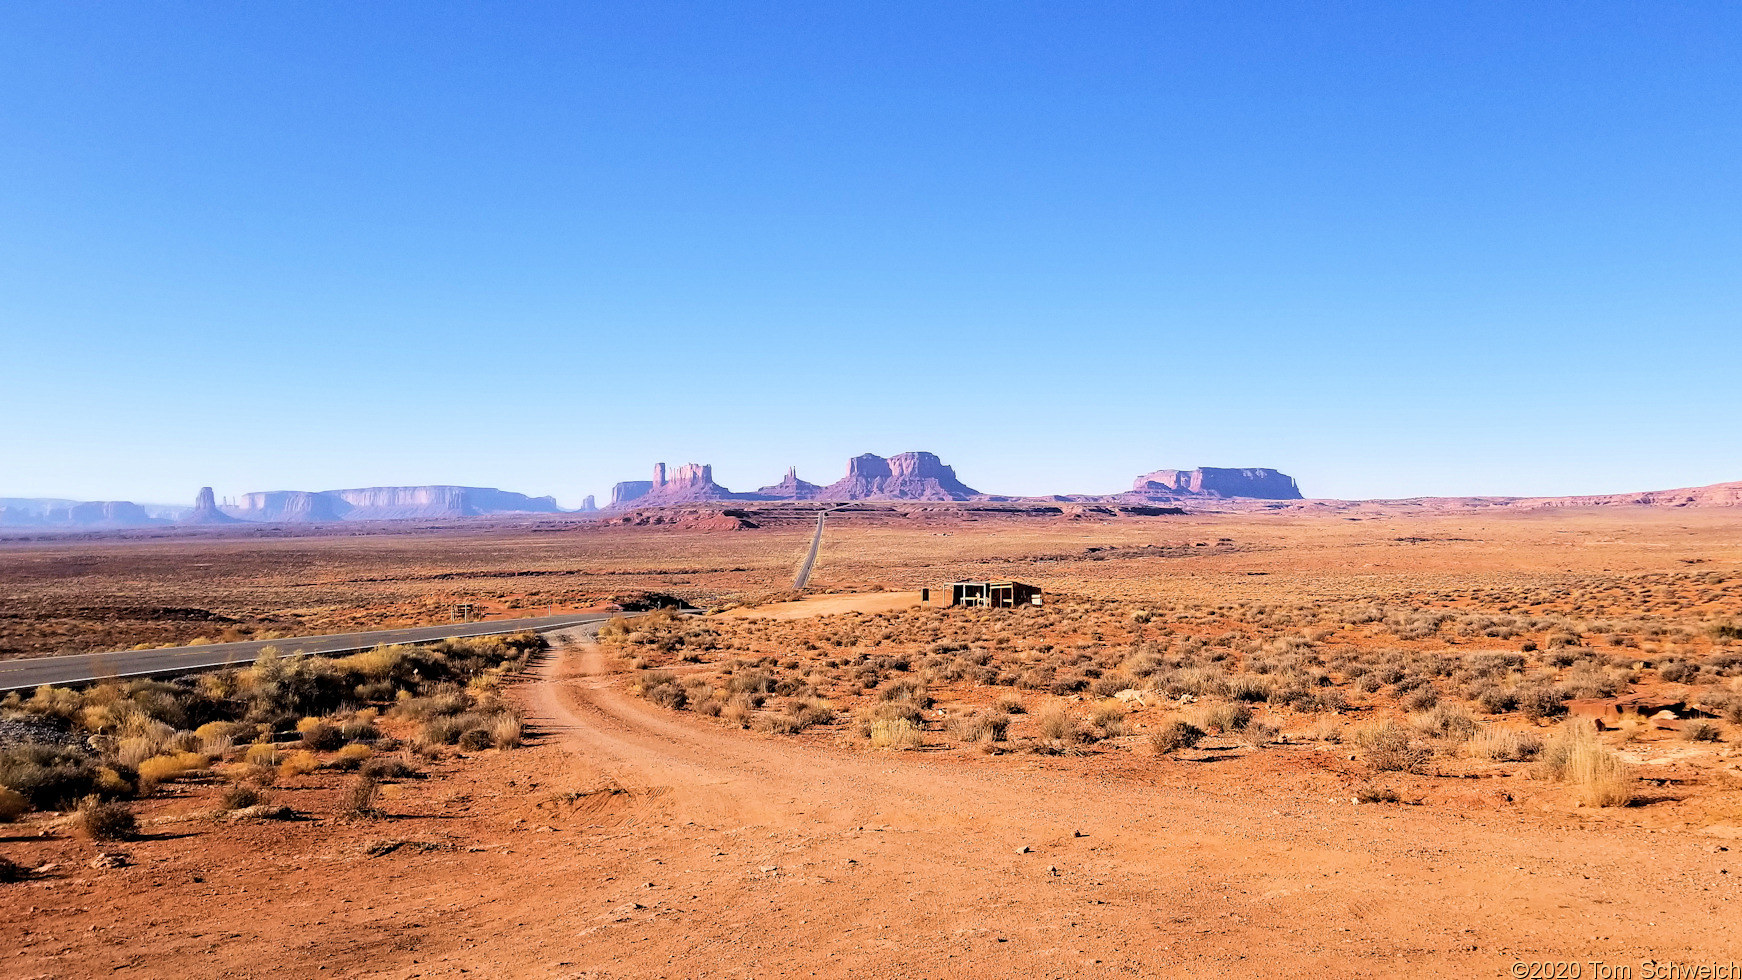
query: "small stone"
111, 859
1024, 849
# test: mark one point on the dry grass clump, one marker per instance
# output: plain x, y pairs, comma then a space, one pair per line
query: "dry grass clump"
895, 733
1499, 744
1225, 717
299, 763
1392, 747
1598, 775
1702, 731
359, 798
1446, 721
1109, 718
978, 727
1174, 735
164, 768
1054, 723
350, 758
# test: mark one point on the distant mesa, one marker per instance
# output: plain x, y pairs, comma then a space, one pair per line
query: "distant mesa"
629, 491
95, 515
588, 506
1213, 481
206, 510
904, 476
790, 488
385, 504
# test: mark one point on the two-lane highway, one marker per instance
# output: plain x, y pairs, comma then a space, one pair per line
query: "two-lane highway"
32, 672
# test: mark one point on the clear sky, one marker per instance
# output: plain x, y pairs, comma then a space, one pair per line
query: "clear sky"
1390, 248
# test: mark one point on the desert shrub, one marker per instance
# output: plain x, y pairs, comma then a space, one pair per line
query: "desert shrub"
298, 763
663, 689
1540, 701
11, 871
978, 727
1703, 731
906, 689
1422, 698
806, 712
1108, 718
1374, 793
237, 796
387, 767
506, 731
776, 724
1223, 716
1678, 672
262, 754
163, 768
1446, 721
1108, 685
1498, 744
895, 733
319, 736
1496, 700
12, 804
1597, 773
1176, 734
1391, 747
359, 797
350, 757
50, 777
474, 739
105, 820
1259, 734
893, 711
1053, 723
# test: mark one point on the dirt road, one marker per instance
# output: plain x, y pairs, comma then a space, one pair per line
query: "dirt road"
809, 859
629, 841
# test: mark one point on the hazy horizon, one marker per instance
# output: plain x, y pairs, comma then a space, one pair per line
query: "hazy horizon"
1484, 250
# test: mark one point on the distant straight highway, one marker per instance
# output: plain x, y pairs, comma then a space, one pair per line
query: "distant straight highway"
31, 672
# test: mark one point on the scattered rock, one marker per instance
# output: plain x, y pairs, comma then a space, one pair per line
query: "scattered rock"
110, 859
1024, 849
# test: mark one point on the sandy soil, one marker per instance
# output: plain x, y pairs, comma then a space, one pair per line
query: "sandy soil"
825, 605
631, 842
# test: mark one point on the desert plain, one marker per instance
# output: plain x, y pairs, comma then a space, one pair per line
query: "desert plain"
1374, 740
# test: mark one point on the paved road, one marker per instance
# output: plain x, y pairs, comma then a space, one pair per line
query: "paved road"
31, 672
804, 572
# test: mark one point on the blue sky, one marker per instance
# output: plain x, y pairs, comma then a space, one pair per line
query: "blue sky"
1392, 249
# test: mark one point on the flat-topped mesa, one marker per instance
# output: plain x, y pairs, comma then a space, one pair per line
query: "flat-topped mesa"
386, 504
790, 488
687, 484
1214, 481
904, 476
